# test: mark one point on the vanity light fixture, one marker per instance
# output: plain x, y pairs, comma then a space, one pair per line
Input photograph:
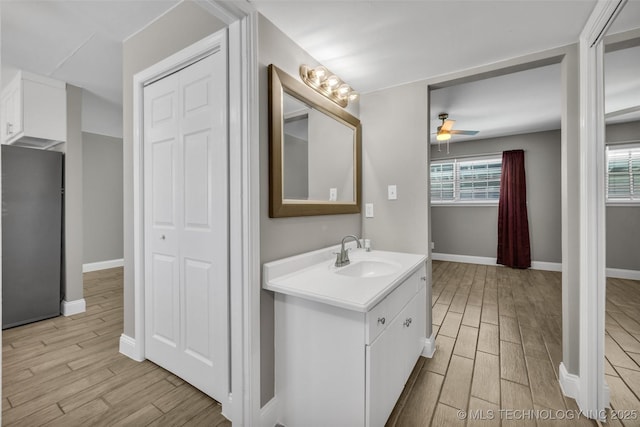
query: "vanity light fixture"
328, 84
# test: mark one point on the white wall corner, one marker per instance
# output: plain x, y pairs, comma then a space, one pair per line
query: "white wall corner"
102, 265
429, 346
129, 348
70, 308
569, 383
269, 413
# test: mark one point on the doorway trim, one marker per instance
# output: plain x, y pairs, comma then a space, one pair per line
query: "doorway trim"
243, 405
566, 56
593, 393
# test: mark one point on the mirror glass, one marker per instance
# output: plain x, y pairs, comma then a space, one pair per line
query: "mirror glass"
317, 154
315, 151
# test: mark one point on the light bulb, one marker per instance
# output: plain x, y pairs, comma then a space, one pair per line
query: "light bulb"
443, 136
333, 81
343, 90
353, 95
319, 74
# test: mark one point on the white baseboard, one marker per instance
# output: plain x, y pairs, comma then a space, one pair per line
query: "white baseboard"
469, 259
546, 266
269, 413
129, 348
69, 308
619, 273
102, 265
429, 346
569, 383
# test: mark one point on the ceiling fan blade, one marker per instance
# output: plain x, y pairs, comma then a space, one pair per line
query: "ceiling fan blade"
464, 132
447, 125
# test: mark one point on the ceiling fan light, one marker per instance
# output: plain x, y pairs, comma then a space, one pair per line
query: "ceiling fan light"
443, 136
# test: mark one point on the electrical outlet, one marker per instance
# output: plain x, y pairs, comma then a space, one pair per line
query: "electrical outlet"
333, 194
433, 245
392, 192
368, 210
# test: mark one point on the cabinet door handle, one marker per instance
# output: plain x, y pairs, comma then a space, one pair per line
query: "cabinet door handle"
407, 322
381, 320
423, 278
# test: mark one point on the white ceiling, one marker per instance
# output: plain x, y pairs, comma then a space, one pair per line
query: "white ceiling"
371, 44
79, 42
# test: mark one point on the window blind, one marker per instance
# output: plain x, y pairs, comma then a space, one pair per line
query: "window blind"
468, 180
623, 174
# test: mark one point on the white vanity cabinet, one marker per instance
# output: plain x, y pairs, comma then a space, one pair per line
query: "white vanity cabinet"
391, 358
347, 366
34, 111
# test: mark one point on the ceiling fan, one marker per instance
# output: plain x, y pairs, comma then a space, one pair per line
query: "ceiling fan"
445, 130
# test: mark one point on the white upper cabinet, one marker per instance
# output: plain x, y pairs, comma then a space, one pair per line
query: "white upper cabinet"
34, 111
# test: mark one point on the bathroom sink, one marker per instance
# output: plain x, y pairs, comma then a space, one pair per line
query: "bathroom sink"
368, 268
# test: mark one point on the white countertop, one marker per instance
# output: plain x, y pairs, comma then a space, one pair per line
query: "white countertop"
313, 276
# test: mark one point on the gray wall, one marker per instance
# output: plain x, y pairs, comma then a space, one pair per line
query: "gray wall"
570, 166
295, 168
395, 141
102, 197
473, 230
623, 222
282, 237
330, 157
72, 148
182, 26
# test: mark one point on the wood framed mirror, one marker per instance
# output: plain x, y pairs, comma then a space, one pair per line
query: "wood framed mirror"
315, 152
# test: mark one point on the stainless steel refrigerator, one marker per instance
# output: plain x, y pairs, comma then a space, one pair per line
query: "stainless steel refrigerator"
31, 234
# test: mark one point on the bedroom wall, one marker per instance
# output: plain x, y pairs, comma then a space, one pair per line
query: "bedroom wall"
473, 230
623, 221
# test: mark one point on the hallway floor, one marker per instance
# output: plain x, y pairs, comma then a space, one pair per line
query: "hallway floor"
499, 346
67, 371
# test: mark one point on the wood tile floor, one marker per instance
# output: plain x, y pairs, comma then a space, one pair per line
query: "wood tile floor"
67, 371
499, 346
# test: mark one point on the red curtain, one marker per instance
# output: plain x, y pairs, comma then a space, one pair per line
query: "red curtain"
513, 223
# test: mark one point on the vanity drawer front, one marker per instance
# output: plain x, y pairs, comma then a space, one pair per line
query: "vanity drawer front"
380, 316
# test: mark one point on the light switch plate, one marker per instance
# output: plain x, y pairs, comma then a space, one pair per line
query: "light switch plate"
368, 210
392, 192
333, 194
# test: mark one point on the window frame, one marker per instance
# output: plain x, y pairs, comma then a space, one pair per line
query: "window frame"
457, 162
627, 146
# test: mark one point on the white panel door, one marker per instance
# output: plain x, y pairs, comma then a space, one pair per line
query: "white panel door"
186, 224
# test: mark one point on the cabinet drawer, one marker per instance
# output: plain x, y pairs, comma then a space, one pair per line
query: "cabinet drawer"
382, 314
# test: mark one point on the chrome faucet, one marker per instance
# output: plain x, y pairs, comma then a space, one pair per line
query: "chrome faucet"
342, 258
